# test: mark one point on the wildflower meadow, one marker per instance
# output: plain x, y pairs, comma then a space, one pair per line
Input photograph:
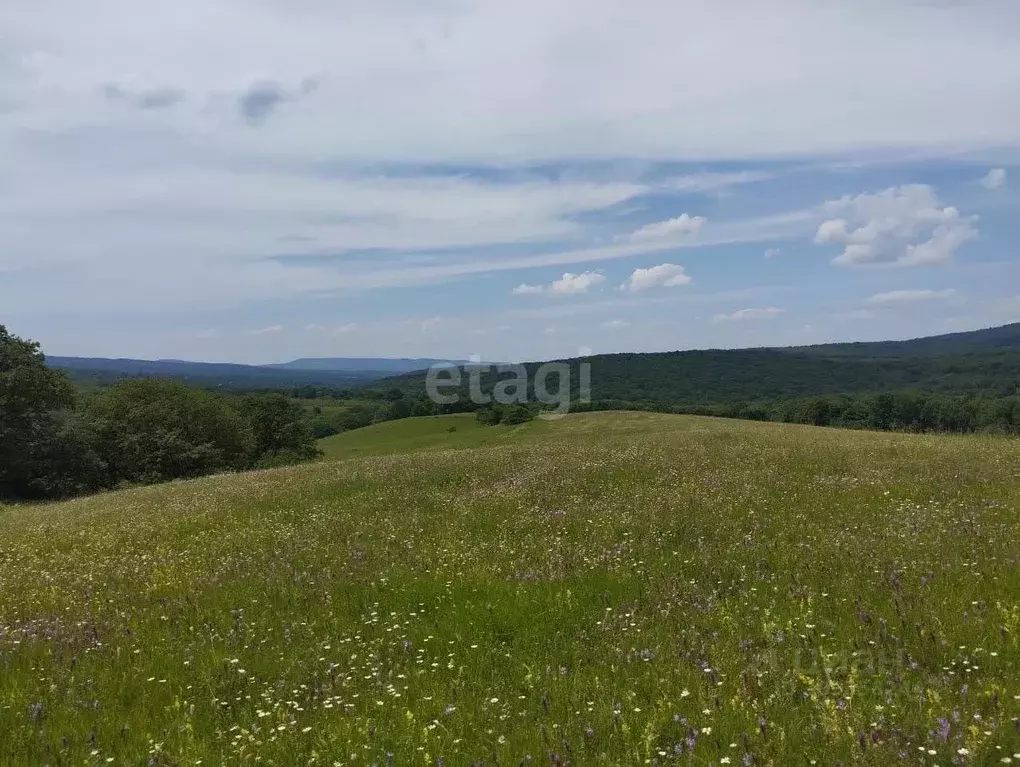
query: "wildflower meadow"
600, 589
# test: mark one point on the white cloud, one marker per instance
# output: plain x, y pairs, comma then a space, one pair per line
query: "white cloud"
174, 166
615, 324
567, 285
680, 226
742, 315
526, 290
772, 252
494, 82
584, 351
894, 297
996, 179
574, 284
901, 226
266, 331
663, 275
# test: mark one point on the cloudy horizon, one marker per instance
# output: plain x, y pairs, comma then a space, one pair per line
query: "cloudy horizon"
262, 181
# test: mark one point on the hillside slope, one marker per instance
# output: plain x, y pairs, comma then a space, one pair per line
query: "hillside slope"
749, 375
1005, 337
617, 588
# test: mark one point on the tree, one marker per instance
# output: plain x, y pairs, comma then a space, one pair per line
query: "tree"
31, 394
155, 430
279, 427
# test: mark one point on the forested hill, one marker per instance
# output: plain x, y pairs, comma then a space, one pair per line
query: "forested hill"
985, 363
989, 339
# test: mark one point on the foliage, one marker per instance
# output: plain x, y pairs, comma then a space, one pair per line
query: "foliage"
280, 429
745, 375
30, 396
134, 432
157, 430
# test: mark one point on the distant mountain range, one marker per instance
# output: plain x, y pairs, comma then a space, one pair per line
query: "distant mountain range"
970, 361
361, 364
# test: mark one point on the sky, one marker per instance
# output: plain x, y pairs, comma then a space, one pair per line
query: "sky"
260, 180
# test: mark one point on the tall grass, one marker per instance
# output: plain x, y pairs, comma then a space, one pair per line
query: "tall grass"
605, 589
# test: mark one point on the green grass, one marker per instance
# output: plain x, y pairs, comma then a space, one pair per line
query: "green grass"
605, 589
451, 432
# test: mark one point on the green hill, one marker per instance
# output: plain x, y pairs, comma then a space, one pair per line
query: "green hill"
602, 589
1005, 337
749, 375
452, 432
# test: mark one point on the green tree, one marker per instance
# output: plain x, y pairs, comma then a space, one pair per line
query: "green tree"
279, 427
31, 394
156, 430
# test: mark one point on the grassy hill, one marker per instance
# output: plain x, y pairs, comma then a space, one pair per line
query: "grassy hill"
602, 589
452, 432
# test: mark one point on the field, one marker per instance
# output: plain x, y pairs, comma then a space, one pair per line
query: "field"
451, 432
603, 589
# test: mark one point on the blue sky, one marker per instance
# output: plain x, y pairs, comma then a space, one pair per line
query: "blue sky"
519, 181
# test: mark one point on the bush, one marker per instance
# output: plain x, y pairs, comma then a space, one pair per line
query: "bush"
489, 416
516, 414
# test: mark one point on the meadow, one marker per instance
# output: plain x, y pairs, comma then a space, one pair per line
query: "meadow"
603, 589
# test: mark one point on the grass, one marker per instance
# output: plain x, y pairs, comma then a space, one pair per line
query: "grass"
452, 432
606, 589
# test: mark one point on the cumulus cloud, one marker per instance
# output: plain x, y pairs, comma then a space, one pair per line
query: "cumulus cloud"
527, 290
742, 315
680, 226
901, 226
567, 285
663, 275
895, 297
574, 284
996, 179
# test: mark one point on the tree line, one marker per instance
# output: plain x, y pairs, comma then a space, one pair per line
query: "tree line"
57, 442
919, 412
